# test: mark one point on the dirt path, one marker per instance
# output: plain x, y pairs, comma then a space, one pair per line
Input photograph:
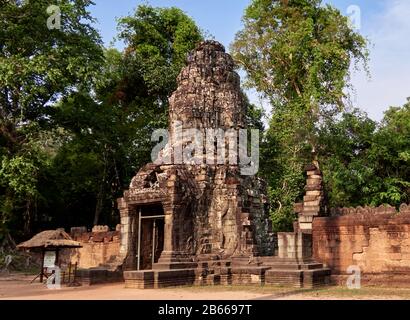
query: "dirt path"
21, 289
18, 287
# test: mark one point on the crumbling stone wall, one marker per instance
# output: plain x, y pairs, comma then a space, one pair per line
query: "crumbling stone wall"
229, 214
100, 248
375, 239
211, 210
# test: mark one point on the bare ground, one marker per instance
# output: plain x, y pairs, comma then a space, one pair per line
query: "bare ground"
18, 287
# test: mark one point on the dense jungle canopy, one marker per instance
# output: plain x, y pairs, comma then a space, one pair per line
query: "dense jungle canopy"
76, 118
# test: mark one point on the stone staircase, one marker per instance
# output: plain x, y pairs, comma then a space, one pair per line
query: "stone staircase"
295, 264
292, 266
270, 271
295, 273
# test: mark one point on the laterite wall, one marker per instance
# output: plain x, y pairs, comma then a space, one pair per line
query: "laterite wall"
378, 243
100, 248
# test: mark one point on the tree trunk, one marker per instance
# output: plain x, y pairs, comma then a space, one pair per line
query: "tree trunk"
99, 205
8, 244
100, 195
27, 217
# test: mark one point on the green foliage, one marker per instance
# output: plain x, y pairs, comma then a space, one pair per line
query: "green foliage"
110, 130
76, 120
282, 162
391, 153
298, 54
344, 152
254, 115
158, 40
20, 175
37, 67
365, 163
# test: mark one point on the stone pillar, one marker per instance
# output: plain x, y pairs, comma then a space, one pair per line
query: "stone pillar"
312, 205
295, 245
129, 227
172, 251
168, 233
169, 253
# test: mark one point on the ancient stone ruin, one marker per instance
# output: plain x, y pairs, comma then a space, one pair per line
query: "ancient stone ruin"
374, 240
206, 223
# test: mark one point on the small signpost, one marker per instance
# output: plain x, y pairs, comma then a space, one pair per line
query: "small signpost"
49, 243
49, 259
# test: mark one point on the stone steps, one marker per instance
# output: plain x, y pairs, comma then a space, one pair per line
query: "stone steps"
150, 279
296, 275
289, 266
293, 278
174, 266
191, 265
214, 263
302, 278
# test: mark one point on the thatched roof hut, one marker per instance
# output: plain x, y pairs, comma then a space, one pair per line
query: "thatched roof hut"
50, 239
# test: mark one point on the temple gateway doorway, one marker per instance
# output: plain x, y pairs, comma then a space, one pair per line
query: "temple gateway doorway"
150, 241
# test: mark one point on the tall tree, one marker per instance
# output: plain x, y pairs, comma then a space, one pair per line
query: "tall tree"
158, 42
112, 125
298, 54
345, 148
38, 66
365, 163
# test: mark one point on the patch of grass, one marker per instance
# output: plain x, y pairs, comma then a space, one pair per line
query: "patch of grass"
265, 289
334, 292
375, 292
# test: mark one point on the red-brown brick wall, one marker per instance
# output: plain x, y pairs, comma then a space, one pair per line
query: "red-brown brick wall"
98, 249
378, 244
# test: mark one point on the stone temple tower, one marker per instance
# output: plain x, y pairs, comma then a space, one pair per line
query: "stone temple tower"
201, 221
177, 214
229, 207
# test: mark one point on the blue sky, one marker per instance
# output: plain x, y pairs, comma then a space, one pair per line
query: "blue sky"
384, 22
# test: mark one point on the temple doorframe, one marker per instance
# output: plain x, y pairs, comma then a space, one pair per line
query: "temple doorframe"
140, 218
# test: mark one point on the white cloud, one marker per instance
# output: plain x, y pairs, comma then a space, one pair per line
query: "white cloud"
389, 32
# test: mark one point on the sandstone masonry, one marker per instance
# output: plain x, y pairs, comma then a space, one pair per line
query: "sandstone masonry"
206, 224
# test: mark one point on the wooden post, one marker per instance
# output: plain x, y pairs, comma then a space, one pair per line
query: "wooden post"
69, 273
75, 273
154, 227
139, 240
57, 263
42, 265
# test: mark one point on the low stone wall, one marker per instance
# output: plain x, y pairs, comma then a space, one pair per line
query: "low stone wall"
377, 240
100, 247
384, 209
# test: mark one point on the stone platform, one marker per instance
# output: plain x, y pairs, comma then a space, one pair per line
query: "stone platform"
93, 276
259, 271
208, 222
306, 274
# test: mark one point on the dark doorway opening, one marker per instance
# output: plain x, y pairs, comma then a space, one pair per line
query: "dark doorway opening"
150, 236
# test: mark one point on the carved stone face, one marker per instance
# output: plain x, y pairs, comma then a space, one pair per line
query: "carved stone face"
209, 209
208, 93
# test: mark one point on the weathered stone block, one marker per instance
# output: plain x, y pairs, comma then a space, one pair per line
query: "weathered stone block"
313, 193
97, 229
